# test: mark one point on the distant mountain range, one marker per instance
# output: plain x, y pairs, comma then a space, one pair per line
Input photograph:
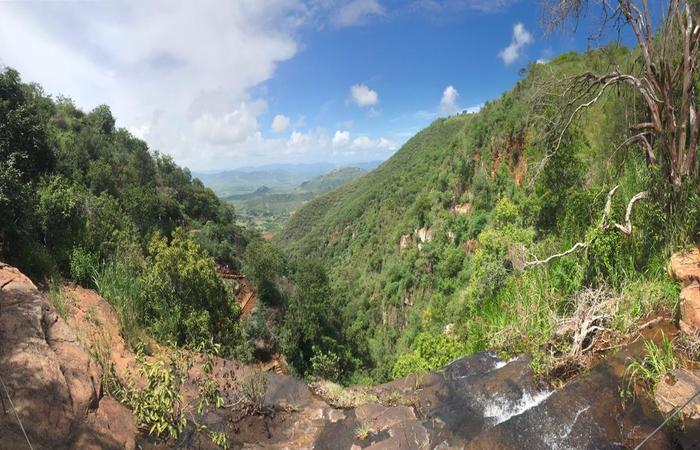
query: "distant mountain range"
276, 177
265, 197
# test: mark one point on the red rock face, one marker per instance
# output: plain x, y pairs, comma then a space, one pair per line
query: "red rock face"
685, 266
690, 308
54, 384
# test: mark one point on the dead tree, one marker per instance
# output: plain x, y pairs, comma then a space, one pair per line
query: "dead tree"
664, 80
519, 257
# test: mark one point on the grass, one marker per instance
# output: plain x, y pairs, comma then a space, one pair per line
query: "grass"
658, 361
118, 284
59, 301
363, 431
341, 397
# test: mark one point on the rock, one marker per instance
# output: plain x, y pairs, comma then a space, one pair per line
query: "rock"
676, 389
404, 242
383, 417
82, 375
53, 383
424, 234
690, 308
97, 323
464, 209
410, 435
685, 266
112, 420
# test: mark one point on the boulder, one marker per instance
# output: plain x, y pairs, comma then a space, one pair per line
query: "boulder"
53, 383
690, 308
676, 389
684, 266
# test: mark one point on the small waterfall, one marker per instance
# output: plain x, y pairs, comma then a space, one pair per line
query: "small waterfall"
500, 409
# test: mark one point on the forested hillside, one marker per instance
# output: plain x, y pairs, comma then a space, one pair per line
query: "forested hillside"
84, 200
435, 253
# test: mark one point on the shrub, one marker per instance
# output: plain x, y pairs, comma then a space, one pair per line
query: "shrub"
184, 299
83, 266
430, 352
159, 405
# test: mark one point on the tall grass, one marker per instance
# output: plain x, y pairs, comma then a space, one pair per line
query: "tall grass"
118, 282
57, 299
658, 361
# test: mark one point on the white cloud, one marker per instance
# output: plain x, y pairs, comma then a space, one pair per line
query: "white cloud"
364, 96
448, 103
341, 138
474, 109
365, 143
280, 123
230, 127
181, 82
521, 38
456, 6
357, 12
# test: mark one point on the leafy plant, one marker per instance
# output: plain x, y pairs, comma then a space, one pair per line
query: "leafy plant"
657, 362
364, 430
159, 406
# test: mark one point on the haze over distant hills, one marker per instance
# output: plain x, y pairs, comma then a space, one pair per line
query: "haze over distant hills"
266, 196
276, 177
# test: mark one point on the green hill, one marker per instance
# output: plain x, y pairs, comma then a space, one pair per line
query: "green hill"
268, 209
431, 243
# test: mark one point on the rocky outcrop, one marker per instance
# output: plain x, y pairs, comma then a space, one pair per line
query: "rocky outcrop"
404, 242
54, 385
690, 309
684, 267
678, 388
464, 209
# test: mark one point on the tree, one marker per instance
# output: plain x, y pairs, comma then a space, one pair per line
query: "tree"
309, 332
263, 263
666, 80
184, 299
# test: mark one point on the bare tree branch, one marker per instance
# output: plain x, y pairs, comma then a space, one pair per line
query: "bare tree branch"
577, 246
626, 228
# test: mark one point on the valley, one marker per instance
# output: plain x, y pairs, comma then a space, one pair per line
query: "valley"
521, 273
277, 198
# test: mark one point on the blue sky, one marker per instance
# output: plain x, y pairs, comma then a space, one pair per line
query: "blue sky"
226, 84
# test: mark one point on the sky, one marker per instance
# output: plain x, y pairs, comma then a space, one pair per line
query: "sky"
225, 84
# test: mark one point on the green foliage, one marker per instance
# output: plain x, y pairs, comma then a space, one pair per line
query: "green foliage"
159, 406
430, 351
119, 282
658, 361
263, 263
184, 300
57, 298
83, 266
310, 332
492, 195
